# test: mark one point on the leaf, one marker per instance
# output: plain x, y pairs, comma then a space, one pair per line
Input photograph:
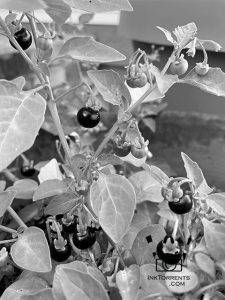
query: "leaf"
109, 85
157, 173
214, 235
50, 171
21, 5
85, 18
24, 286
185, 34
61, 204
44, 68
145, 215
128, 281
50, 188
188, 281
113, 201
213, 82
217, 203
206, 264
45, 294
194, 173
105, 159
24, 188
85, 48
58, 10
6, 199
19, 82
145, 243
214, 45
22, 114
77, 284
151, 281
167, 34
164, 81
146, 187
31, 251
100, 5
137, 162
150, 123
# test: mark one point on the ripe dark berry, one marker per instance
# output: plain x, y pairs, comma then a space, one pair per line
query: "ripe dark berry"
27, 171
88, 117
121, 150
60, 255
85, 241
23, 38
169, 257
183, 206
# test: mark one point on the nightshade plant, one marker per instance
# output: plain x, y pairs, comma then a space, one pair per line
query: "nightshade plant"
93, 229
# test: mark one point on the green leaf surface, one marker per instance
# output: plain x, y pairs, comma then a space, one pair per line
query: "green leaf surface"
73, 282
188, 278
105, 159
157, 174
100, 5
50, 188
206, 264
146, 187
61, 204
22, 114
128, 281
214, 235
113, 200
85, 48
110, 86
194, 173
22, 5
213, 82
24, 188
164, 82
50, 171
151, 281
58, 10
6, 199
44, 294
31, 251
217, 203
2, 185
25, 286
145, 243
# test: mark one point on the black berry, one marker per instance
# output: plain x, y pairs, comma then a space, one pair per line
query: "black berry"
23, 38
88, 117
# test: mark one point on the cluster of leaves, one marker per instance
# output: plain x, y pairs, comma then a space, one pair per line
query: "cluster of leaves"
129, 209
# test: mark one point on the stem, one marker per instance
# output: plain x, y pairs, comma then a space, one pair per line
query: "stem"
42, 24
220, 283
170, 60
7, 229
91, 213
8, 241
33, 28
9, 175
18, 24
20, 222
175, 228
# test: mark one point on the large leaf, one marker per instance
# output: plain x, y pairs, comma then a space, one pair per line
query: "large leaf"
85, 48
58, 10
44, 294
217, 203
145, 243
128, 281
206, 264
22, 114
213, 82
100, 5
146, 187
157, 174
75, 283
31, 251
61, 204
24, 188
6, 198
22, 5
24, 286
187, 281
109, 85
113, 201
195, 174
214, 235
50, 188
151, 280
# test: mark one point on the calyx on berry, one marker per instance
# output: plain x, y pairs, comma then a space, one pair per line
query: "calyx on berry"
169, 251
202, 69
121, 147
